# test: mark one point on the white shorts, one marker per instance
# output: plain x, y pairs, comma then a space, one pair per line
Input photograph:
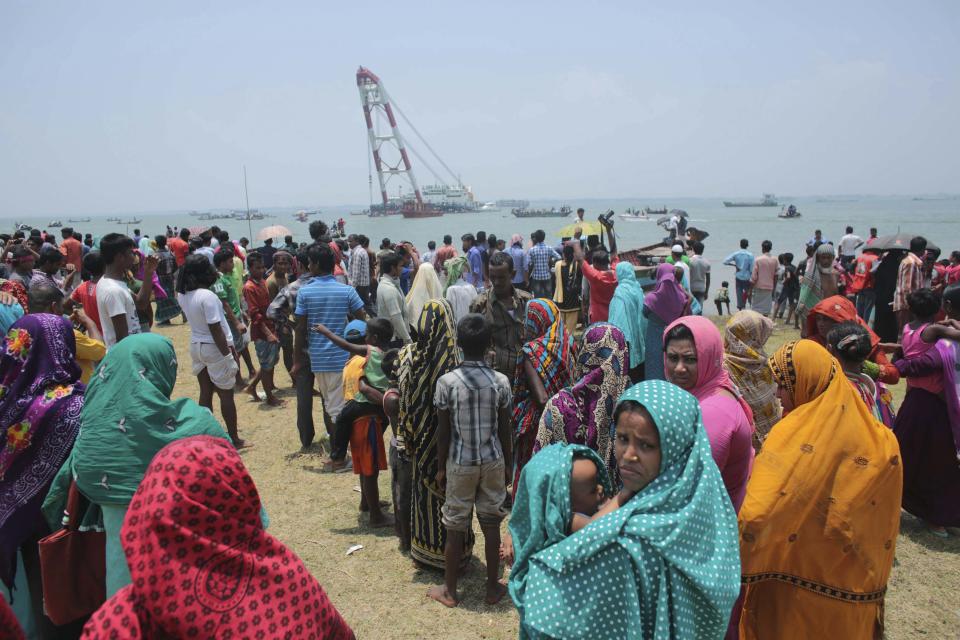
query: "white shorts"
331, 388
222, 369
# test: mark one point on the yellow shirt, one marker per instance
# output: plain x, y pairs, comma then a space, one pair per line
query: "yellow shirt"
89, 353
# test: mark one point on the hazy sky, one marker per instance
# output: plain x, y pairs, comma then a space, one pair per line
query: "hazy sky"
132, 106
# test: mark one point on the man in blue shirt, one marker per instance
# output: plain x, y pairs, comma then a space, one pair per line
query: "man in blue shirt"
328, 302
743, 261
520, 266
539, 260
474, 260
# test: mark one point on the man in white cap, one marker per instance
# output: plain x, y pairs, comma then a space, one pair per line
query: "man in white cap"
678, 257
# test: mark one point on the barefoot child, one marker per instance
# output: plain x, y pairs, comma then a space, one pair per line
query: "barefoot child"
265, 340
401, 481
723, 298
474, 458
211, 346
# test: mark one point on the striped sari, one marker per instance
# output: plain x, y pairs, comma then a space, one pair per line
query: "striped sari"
551, 353
421, 365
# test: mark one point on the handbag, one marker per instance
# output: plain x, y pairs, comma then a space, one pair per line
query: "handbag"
73, 566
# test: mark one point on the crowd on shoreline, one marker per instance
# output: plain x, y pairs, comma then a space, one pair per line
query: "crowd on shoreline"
662, 477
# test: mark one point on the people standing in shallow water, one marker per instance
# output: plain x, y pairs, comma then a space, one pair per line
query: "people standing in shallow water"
269, 593
658, 560
819, 525
928, 423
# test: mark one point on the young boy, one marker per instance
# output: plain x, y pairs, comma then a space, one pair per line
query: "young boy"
723, 298
229, 295
474, 405
401, 467
364, 384
364, 380
265, 340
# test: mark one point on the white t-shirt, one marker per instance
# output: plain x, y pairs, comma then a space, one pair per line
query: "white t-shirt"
113, 299
849, 244
203, 308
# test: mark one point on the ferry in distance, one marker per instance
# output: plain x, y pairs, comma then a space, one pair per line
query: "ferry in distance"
768, 201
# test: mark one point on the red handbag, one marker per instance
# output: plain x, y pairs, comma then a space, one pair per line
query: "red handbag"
73, 566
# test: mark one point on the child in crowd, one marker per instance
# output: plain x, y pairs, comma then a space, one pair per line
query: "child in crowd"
586, 492
790, 292
211, 346
230, 299
474, 459
363, 378
401, 481
723, 298
265, 340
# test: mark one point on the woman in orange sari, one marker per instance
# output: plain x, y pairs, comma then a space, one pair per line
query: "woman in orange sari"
819, 524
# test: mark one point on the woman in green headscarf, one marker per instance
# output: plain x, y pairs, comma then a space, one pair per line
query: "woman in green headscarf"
626, 313
458, 292
660, 560
128, 417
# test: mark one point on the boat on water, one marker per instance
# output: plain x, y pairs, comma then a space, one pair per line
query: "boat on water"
769, 200
414, 209
131, 221
79, 220
789, 212
22, 226
365, 212
55, 224
489, 206
553, 212
635, 215
113, 219
252, 214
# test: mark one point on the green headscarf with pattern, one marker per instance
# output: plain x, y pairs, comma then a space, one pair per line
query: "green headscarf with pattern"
128, 417
454, 268
665, 565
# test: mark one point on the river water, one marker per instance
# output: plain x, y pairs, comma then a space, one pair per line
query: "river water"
937, 219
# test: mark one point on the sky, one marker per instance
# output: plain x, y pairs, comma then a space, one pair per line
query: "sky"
130, 106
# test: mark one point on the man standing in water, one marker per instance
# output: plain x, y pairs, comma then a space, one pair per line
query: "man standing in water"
504, 308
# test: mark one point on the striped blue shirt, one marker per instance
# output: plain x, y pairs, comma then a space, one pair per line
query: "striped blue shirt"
328, 302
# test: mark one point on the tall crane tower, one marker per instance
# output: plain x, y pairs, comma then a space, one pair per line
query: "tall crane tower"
388, 148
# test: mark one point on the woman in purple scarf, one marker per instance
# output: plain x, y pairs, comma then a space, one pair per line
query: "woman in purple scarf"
667, 302
583, 413
40, 400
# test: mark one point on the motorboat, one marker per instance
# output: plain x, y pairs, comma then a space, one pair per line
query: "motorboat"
789, 212
635, 215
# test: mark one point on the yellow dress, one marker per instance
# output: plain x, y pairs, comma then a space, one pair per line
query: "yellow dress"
819, 525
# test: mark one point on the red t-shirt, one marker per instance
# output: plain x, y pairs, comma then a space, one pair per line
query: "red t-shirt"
86, 296
73, 250
258, 299
863, 273
602, 285
180, 249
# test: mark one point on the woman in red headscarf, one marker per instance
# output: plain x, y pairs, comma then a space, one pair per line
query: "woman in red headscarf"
836, 309
201, 562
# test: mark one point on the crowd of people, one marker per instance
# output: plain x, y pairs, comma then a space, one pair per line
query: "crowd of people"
661, 473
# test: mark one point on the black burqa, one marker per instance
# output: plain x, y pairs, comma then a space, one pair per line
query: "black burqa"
885, 285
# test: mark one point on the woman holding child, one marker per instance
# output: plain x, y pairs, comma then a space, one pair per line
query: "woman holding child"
630, 570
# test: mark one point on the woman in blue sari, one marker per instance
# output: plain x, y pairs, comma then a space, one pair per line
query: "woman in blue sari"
626, 313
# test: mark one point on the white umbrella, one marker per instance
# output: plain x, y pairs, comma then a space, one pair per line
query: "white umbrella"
273, 231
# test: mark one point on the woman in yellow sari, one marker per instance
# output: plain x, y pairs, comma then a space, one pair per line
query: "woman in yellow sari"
819, 524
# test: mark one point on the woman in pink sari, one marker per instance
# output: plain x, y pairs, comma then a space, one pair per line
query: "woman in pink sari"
693, 360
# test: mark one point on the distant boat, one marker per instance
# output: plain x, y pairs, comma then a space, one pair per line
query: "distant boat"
513, 204
54, 224
112, 219
562, 212
636, 215
132, 221
768, 201
360, 213
414, 210
489, 206
789, 212
79, 220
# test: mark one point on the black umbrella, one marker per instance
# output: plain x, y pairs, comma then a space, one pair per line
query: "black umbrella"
898, 242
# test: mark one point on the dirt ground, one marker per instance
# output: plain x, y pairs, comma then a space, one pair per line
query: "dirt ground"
382, 595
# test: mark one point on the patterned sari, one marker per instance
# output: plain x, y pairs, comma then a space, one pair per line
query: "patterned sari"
551, 353
583, 413
202, 564
40, 401
745, 360
420, 366
819, 526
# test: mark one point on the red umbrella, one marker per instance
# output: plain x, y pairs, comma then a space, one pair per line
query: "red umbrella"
195, 231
